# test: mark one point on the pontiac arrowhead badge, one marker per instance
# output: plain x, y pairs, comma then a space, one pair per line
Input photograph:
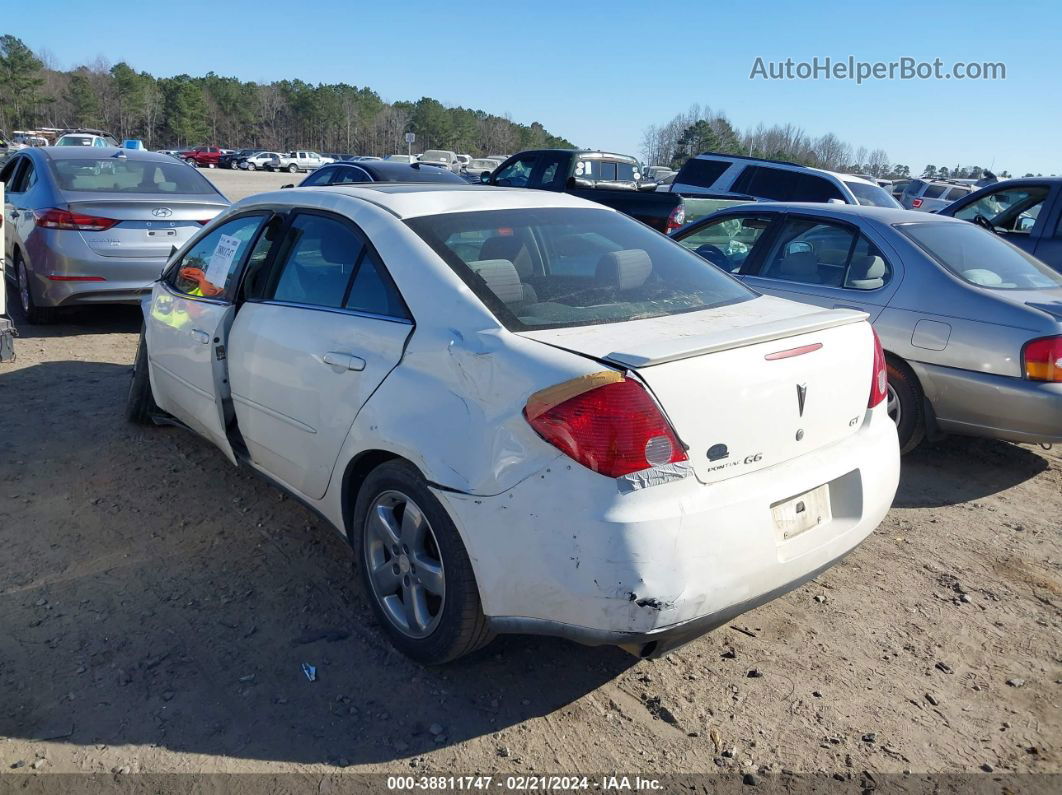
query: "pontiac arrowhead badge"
802, 393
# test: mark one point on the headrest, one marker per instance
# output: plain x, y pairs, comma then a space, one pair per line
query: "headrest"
866, 273
509, 247
624, 269
983, 277
501, 278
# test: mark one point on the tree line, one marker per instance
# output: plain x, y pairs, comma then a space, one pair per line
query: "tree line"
211, 109
705, 130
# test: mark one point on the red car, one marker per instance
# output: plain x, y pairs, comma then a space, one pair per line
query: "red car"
202, 156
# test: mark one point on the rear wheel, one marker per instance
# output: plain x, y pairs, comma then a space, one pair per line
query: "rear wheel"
415, 569
292, 168
140, 404
904, 401
35, 315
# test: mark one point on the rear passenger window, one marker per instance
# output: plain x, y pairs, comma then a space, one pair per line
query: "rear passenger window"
702, 173
319, 260
933, 192
372, 290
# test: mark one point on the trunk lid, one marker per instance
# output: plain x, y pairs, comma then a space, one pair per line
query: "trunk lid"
746, 386
148, 226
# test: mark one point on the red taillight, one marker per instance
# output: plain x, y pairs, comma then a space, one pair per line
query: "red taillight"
606, 422
205, 221
676, 219
64, 219
58, 277
879, 381
1042, 359
916, 203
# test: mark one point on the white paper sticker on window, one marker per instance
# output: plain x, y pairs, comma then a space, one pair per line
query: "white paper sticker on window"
221, 260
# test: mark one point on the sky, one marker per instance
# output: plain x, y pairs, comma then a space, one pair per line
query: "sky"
598, 73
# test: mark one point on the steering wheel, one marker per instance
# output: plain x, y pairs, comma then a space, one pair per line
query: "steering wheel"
981, 221
714, 255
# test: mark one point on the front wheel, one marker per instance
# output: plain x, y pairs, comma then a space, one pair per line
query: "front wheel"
250, 166
905, 407
415, 569
140, 404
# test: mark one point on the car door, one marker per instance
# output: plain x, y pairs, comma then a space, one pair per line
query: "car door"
188, 321
1049, 244
1014, 212
12, 195
19, 202
316, 335
822, 261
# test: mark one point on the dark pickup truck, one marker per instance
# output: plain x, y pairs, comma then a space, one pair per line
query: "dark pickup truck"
608, 179
1027, 212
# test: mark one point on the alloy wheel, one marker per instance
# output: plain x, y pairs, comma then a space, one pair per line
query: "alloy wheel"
24, 288
892, 404
404, 564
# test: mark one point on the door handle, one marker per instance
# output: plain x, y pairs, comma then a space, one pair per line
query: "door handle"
200, 336
346, 360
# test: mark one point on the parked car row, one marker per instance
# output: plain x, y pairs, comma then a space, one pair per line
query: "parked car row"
424, 364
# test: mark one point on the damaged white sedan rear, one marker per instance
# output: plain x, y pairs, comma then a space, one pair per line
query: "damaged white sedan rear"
528, 413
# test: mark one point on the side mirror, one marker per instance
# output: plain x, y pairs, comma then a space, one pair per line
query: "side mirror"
173, 250
799, 247
836, 201
648, 185
289, 185
485, 177
1026, 223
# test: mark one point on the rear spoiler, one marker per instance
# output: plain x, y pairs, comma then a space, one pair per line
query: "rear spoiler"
688, 347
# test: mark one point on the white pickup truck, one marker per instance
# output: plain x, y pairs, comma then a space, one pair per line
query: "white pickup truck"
298, 161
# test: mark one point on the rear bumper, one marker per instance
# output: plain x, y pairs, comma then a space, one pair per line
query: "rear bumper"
566, 553
993, 406
64, 253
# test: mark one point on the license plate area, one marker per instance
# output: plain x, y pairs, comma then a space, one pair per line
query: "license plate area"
803, 512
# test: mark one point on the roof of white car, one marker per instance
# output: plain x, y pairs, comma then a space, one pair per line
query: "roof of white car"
413, 199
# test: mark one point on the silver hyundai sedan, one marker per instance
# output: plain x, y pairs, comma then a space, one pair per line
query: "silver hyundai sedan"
95, 226
971, 325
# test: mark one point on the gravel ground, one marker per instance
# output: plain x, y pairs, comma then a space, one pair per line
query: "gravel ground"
156, 604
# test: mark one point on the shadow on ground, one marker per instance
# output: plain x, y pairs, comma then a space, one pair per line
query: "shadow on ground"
109, 319
961, 468
159, 595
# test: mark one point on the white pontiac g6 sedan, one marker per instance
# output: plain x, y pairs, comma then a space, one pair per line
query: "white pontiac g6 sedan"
527, 412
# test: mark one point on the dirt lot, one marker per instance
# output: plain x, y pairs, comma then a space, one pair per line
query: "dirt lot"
156, 604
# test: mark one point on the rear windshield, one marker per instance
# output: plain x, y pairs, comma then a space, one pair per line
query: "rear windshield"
871, 195
979, 257
416, 173
75, 140
553, 268
118, 175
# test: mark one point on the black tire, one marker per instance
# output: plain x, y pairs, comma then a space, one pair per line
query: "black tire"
140, 405
462, 628
250, 167
35, 315
292, 168
909, 400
